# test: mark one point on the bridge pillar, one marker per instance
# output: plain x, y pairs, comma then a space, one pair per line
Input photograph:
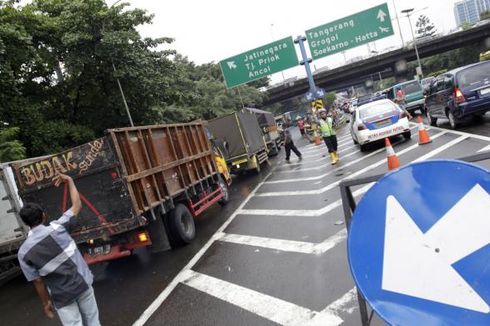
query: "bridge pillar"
485, 45
400, 70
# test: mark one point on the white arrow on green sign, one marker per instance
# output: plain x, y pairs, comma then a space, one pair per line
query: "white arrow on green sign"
351, 31
259, 62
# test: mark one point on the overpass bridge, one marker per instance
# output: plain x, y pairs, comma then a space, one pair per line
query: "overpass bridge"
392, 63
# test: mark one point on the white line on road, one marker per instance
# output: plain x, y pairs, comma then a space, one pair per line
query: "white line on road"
323, 167
166, 292
484, 149
263, 305
347, 303
335, 184
338, 203
286, 245
301, 212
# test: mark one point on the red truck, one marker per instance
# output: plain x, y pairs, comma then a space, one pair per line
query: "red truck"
139, 186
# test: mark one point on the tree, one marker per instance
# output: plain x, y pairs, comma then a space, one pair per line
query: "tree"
424, 27
330, 98
11, 148
485, 15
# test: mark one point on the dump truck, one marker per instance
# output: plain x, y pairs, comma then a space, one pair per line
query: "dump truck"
269, 128
241, 140
12, 231
139, 187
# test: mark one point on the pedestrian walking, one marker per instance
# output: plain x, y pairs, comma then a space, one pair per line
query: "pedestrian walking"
49, 258
329, 136
289, 144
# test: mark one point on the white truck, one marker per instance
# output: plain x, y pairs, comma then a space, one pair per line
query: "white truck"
12, 230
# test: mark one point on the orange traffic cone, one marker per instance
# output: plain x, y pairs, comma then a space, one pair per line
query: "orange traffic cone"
393, 162
318, 141
424, 137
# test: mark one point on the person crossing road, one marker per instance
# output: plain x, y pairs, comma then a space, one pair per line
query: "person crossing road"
289, 144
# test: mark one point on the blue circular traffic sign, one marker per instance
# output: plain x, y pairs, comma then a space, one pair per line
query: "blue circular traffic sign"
418, 245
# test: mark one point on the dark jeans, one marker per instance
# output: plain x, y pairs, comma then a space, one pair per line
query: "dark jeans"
290, 146
331, 142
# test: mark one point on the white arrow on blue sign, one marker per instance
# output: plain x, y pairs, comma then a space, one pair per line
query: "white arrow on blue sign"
419, 245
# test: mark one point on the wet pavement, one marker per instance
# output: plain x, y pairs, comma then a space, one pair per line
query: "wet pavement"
275, 255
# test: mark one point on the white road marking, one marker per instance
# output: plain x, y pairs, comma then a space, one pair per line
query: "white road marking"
166, 292
461, 133
359, 172
345, 304
286, 245
327, 159
338, 203
268, 307
303, 212
484, 149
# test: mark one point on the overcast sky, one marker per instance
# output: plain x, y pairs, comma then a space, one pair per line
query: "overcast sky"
212, 30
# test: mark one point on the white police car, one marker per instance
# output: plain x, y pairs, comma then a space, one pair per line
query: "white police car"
377, 120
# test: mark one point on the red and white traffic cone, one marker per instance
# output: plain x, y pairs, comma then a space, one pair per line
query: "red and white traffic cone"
424, 137
393, 162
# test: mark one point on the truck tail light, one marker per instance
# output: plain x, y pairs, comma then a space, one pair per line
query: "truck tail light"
458, 96
142, 237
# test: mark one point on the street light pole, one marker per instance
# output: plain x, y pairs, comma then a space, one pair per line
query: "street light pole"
398, 22
119, 83
407, 12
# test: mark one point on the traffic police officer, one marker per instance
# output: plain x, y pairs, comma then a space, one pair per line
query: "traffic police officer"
329, 136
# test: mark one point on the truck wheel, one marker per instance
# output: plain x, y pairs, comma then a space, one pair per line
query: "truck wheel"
226, 192
181, 224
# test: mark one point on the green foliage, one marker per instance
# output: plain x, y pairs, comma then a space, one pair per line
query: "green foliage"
466, 25
424, 27
485, 15
11, 149
60, 62
330, 98
450, 60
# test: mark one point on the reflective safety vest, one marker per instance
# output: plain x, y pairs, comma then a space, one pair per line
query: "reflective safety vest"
326, 127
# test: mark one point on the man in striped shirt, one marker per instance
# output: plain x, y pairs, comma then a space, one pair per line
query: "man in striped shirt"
51, 260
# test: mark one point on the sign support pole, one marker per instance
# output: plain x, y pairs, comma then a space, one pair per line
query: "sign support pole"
306, 62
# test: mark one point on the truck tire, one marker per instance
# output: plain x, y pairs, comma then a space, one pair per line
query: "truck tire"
181, 225
224, 187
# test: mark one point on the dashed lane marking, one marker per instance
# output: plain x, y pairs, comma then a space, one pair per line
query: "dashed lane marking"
357, 173
166, 292
286, 245
484, 149
268, 307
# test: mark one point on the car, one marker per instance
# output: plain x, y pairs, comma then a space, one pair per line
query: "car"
370, 98
426, 82
376, 121
414, 95
459, 93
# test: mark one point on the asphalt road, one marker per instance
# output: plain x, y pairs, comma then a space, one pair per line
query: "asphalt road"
275, 255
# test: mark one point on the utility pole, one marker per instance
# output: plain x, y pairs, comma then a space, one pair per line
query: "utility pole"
398, 22
408, 12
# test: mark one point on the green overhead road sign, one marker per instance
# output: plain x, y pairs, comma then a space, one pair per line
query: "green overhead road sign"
259, 62
351, 31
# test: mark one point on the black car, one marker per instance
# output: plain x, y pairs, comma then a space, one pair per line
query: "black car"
459, 93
